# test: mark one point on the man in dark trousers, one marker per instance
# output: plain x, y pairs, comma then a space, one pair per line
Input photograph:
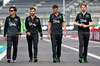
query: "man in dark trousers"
56, 20
13, 30
32, 26
83, 20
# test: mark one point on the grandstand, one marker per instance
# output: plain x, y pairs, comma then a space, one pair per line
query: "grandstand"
44, 8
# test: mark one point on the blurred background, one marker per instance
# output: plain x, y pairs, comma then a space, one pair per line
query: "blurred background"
44, 8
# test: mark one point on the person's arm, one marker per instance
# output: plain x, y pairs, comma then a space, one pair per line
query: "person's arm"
20, 29
91, 23
75, 21
26, 27
49, 27
64, 25
5, 29
40, 30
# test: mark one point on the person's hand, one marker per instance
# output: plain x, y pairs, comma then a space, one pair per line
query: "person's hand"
65, 34
4, 38
80, 25
84, 26
48, 36
41, 38
19, 36
28, 33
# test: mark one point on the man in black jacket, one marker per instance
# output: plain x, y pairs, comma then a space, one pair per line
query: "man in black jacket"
32, 26
83, 20
56, 21
13, 30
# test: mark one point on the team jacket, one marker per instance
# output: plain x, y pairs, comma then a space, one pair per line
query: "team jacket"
12, 26
33, 25
56, 22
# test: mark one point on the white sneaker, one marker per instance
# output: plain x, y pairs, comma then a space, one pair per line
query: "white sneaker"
14, 61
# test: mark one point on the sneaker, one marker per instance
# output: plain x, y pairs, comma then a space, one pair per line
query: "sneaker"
30, 60
8, 60
80, 60
35, 60
58, 59
55, 60
85, 61
14, 61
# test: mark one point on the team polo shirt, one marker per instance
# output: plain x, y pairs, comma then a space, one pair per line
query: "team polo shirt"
33, 25
56, 22
85, 19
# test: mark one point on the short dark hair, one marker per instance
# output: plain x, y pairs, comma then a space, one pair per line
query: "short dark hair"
83, 5
55, 6
15, 9
32, 8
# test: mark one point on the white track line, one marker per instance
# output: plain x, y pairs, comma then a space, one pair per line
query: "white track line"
89, 40
90, 54
2, 55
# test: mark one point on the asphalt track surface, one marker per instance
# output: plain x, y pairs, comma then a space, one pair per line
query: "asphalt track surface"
69, 55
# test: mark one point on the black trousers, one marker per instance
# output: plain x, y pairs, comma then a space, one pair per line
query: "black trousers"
32, 42
83, 44
56, 40
12, 41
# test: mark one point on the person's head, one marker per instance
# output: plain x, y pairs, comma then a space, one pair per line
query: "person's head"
55, 8
83, 7
32, 11
12, 10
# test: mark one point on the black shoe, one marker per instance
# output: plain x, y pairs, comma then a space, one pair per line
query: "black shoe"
58, 59
14, 61
85, 60
55, 60
35, 60
8, 60
31, 60
80, 60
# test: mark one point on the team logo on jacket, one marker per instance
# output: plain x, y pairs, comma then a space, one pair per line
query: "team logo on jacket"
9, 19
12, 24
15, 19
28, 19
56, 21
79, 16
37, 20
87, 16
59, 17
32, 24
52, 16
83, 20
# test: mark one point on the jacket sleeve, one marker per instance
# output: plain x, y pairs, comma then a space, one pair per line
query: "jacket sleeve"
40, 29
5, 28
25, 26
20, 27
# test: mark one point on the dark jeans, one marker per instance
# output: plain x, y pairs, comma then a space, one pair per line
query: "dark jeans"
56, 40
12, 41
83, 44
33, 40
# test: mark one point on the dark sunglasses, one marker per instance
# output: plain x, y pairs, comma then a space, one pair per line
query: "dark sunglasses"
11, 10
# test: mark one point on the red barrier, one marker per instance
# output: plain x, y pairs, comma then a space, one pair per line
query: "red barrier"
95, 34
